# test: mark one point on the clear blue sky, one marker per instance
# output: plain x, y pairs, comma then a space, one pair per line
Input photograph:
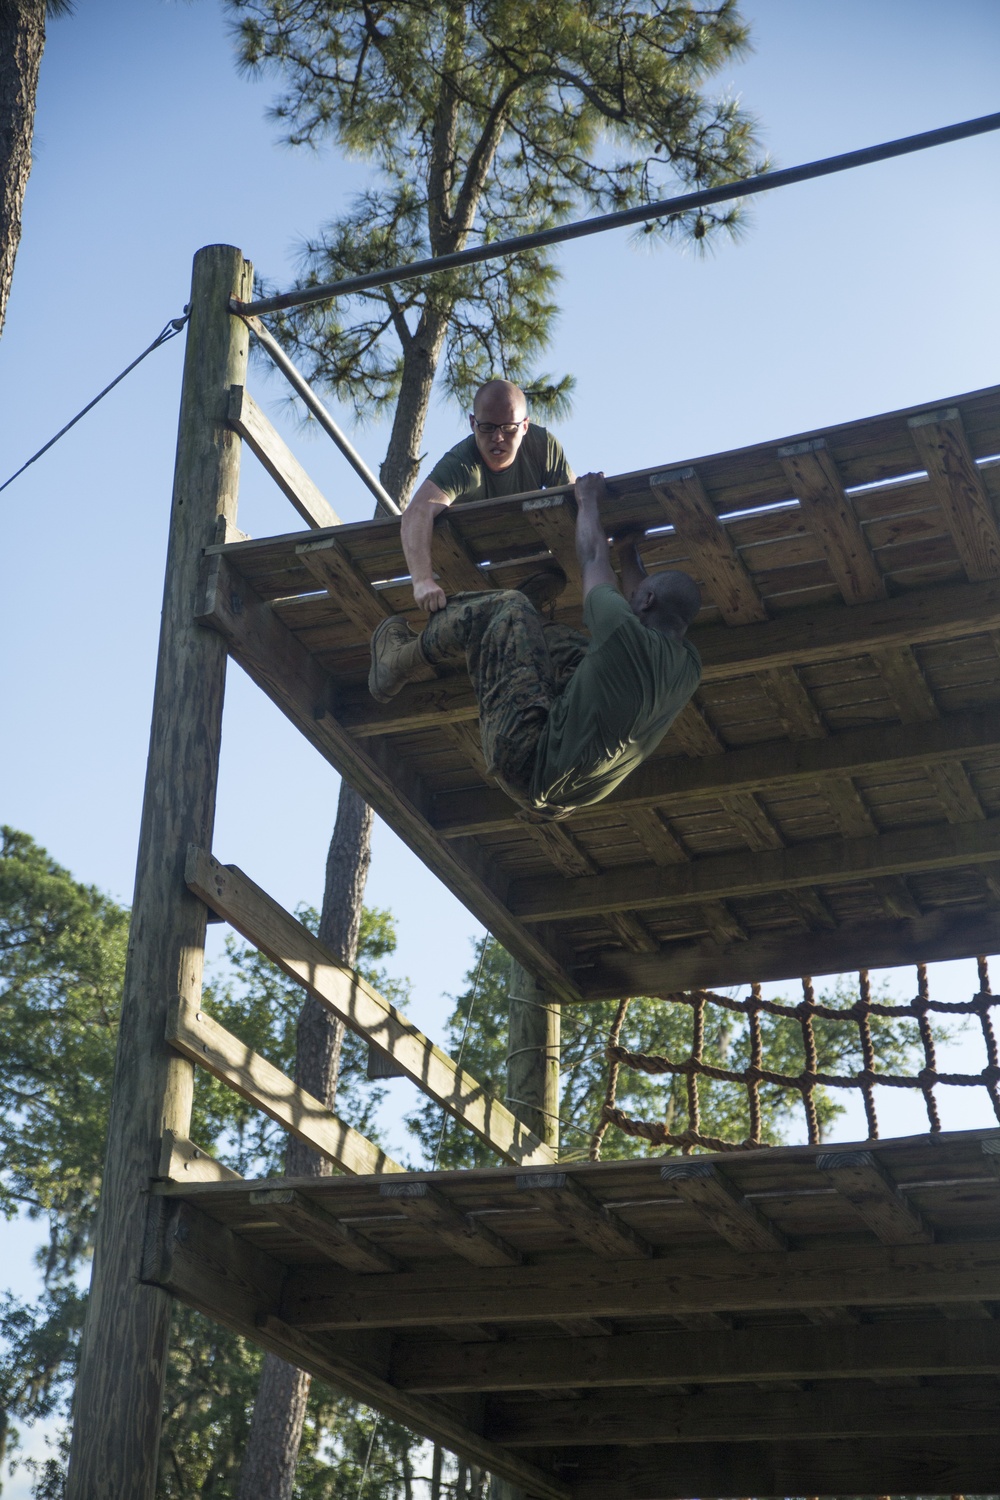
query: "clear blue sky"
847, 296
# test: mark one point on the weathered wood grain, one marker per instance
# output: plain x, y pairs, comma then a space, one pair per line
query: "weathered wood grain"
745, 1356
825, 862
714, 559
713, 1281
123, 1357
706, 963
852, 1410
358, 1004
263, 440
198, 1036
215, 1271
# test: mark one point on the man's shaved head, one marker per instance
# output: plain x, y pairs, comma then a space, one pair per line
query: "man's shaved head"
500, 393
667, 601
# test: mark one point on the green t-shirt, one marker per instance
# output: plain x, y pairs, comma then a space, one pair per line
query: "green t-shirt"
621, 700
538, 464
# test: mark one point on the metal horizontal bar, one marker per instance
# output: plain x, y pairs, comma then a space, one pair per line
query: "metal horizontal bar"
666, 207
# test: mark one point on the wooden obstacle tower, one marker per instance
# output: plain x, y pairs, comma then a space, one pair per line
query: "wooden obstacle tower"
769, 1322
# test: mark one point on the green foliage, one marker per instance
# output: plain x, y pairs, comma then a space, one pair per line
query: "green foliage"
482, 121
62, 958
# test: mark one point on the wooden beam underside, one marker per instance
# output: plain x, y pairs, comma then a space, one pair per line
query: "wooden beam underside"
534, 1321
714, 1281
830, 799
937, 1466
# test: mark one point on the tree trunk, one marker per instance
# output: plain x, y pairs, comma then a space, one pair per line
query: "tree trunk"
22, 40
402, 459
268, 1468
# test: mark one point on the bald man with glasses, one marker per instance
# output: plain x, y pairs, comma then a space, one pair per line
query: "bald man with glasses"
505, 454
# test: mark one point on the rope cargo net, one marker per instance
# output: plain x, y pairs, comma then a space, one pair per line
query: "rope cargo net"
805, 1082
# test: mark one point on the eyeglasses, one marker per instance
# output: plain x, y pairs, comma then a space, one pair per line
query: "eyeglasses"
507, 428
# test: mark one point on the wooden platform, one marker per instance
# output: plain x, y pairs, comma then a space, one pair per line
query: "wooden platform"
830, 800
779, 1322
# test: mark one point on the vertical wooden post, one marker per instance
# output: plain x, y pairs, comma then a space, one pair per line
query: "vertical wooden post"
533, 1055
118, 1400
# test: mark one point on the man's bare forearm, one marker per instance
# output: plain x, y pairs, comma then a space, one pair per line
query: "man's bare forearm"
416, 533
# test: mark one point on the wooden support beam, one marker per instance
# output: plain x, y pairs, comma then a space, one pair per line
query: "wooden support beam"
761, 769
454, 561
341, 1243
563, 1200
119, 1395
739, 1222
554, 518
331, 565
829, 514
710, 1281
212, 1269
293, 679
182, 1161
851, 1411
940, 441
888, 1466
685, 504
464, 1235
891, 1351
860, 1177
798, 638
722, 876
263, 440
196, 1035
358, 1004
704, 963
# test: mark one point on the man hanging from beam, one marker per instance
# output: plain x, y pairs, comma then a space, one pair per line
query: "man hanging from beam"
563, 716
504, 455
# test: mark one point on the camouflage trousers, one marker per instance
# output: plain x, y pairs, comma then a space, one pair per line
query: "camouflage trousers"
518, 665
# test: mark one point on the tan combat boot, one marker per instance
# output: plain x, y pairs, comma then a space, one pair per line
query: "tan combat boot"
397, 658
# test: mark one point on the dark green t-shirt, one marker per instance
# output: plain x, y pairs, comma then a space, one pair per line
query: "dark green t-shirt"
538, 464
621, 700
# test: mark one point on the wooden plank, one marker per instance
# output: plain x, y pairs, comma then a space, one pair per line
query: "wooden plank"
563, 1200
883, 1466
687, 507
706, 964
213, 1270
850, 1411
886, 1350
358, 1004
182, 1161
860, 1177
553, 517
331, 565
196, 1035
709, 1281
740, 873
812, 474
295, 681
339, 1242
454, 560
739, 1222
803, 637
940, 441
761, 769
267, 444
464, 1235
